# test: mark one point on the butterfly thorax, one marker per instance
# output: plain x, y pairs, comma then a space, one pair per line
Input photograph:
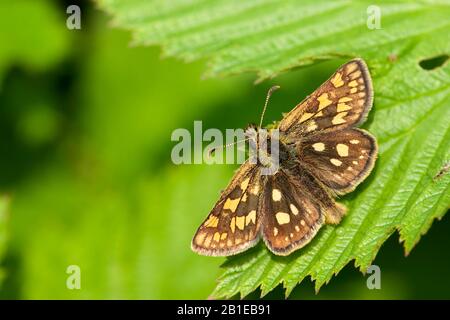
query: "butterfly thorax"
269, 147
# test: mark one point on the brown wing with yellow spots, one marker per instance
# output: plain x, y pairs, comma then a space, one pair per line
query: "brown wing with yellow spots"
294, 205
339, 159
342, 101
233, 224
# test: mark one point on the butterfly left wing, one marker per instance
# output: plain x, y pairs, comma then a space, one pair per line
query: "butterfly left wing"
294, 208
342, 101
233, 224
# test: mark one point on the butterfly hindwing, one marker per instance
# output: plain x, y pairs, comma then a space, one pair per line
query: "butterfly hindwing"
340, 102
341, 159
233, 224
291, 214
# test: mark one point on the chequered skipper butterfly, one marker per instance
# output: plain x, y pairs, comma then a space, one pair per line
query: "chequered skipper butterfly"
322, 154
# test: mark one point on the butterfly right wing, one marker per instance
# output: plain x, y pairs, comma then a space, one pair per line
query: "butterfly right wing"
340, 160
233, 224
342, 101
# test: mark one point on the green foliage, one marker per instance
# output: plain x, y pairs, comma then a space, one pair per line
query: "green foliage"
38, 46
107, 199
410, 118
269, 36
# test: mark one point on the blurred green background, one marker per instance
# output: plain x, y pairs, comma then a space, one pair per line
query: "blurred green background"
86, 177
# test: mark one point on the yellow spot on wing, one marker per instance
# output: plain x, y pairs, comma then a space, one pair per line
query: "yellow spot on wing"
294, 209
208, 239
244, 184
233, 224
353, 83
345, 99
342, 107
355, 75
312, 126
342, 149
323, 101
354, 141
275, 231
244, 197
211, 222
337, 80
240, 222
223, 236
336, 162
305, 116
231, 204
339, 118
276, 195
216, 236
354, 90
319, 146
282, 217
251, 217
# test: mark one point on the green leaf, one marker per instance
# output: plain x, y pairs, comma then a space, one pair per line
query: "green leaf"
411, 117
270, 36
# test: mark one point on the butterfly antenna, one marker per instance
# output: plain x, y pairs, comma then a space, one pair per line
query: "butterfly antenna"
269, 93
211, 151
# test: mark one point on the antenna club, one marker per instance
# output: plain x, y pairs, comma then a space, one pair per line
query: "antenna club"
274, 88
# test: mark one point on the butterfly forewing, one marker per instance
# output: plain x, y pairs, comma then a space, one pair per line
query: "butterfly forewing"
341, 102
341, 159
233, 224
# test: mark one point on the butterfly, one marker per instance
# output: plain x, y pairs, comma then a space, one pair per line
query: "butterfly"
322, 154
